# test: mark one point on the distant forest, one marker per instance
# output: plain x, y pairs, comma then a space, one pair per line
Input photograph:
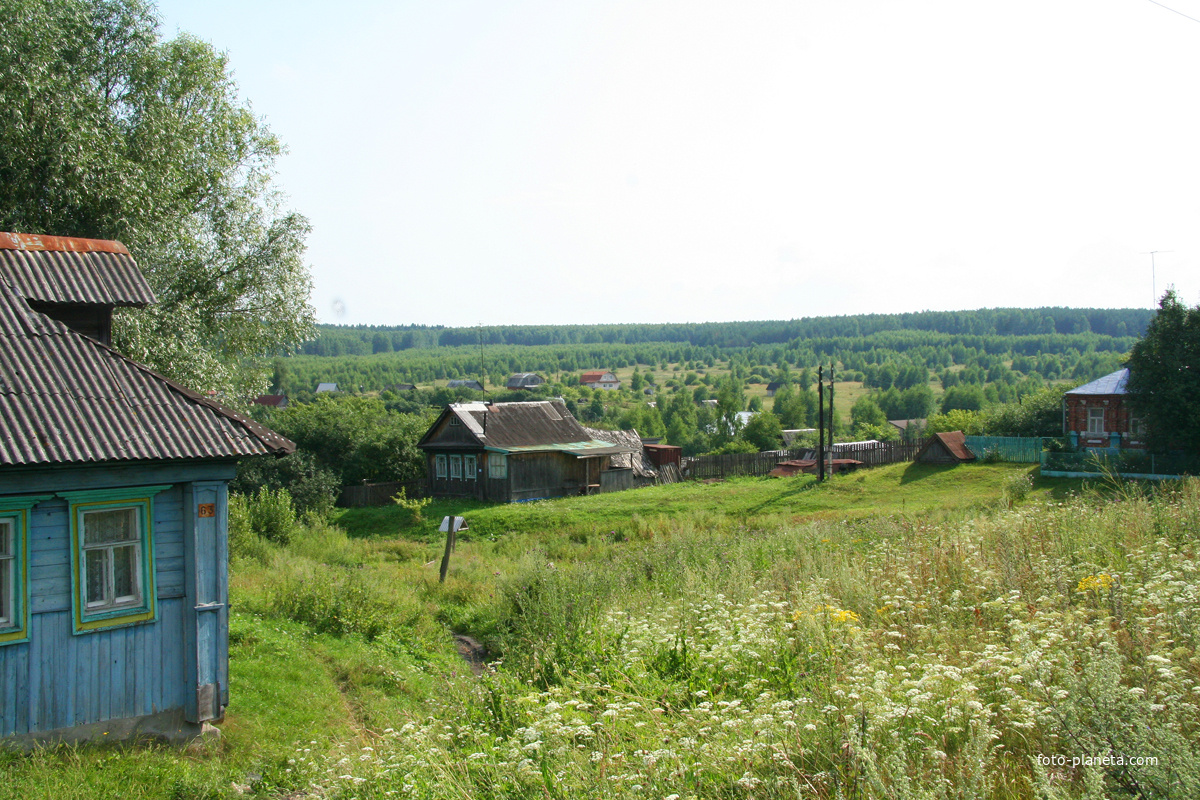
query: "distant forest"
342, 340
1014, 349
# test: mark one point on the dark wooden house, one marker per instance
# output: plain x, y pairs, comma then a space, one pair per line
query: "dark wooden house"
524, 380
510, 452
114, 607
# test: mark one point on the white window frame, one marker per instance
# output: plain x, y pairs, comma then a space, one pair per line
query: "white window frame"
10, 577
498, 466
110, 610
1095, 422
109, 600
439, 465
15, 514
1137, 426
456, 467
469, 468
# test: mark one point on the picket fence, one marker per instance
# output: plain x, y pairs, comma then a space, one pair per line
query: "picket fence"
1017, 449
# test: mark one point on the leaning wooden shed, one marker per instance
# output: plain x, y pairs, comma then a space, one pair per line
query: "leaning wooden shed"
512, 452
113, 537
945, 448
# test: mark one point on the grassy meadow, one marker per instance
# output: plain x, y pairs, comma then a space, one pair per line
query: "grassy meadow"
907, 631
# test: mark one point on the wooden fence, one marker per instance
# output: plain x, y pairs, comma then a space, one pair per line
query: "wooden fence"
1017, 449
379, 494
757, 464
877, 454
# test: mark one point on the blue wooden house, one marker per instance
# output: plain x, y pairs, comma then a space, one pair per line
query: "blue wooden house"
113, 540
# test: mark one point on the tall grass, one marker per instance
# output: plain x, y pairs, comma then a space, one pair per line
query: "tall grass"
1036, 651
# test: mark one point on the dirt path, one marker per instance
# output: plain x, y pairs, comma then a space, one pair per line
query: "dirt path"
474, 653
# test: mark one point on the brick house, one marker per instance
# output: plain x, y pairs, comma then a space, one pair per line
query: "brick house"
1096, 415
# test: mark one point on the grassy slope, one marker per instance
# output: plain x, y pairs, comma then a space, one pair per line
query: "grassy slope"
895, 489
292, 685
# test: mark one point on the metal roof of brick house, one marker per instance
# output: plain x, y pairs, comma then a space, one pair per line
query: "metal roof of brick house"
60, 269
1112, 383
67, 399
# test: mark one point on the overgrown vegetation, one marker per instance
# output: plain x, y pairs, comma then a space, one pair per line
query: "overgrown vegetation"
905, 632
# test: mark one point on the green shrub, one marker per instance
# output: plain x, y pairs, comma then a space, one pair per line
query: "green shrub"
244, 543
334, 601
414, 506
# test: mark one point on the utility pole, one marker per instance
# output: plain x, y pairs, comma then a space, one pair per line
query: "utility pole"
1153, 282
830, 470
820, 423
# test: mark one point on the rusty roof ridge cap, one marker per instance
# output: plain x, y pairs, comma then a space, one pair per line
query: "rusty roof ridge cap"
12, 240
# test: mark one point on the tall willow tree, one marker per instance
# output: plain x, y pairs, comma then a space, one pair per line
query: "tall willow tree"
113, 132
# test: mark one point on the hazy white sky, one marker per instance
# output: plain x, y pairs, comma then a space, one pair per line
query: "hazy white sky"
644, 161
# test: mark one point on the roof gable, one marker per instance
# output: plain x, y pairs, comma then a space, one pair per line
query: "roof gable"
540, 425
953, 443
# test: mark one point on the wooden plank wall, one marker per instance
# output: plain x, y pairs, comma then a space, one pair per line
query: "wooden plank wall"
57, 679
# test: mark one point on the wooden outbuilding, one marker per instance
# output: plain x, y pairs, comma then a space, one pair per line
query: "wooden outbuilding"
945, 448
512, 452
114, 614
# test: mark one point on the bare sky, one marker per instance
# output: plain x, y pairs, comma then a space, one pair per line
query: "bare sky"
644, 161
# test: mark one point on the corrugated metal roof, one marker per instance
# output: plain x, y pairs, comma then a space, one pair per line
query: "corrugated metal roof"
520, 380
633, 458
1112, 383
57, 269
67, 399
541, 426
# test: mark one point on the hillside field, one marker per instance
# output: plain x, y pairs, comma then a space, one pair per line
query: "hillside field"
906, 631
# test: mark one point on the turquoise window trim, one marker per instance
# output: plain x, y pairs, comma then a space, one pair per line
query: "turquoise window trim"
17, 511
137, 497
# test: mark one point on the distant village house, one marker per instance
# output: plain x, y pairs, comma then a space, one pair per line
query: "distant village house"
524, 380
599, 379
512, 452
1096, 415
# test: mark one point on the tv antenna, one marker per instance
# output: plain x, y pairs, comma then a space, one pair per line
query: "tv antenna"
1153, 285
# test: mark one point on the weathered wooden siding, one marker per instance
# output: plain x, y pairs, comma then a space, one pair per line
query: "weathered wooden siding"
533, 476
59, 679
616, 480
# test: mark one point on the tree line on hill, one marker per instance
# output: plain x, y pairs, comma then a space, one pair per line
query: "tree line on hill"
337, 340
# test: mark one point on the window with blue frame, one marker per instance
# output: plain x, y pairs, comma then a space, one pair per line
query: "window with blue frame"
112, 541
14, 567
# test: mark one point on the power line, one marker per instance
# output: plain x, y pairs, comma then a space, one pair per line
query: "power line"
1168, 8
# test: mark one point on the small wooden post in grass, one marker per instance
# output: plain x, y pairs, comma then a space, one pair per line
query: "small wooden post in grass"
451, 526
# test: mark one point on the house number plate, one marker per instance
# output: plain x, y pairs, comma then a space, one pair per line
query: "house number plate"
208, 509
